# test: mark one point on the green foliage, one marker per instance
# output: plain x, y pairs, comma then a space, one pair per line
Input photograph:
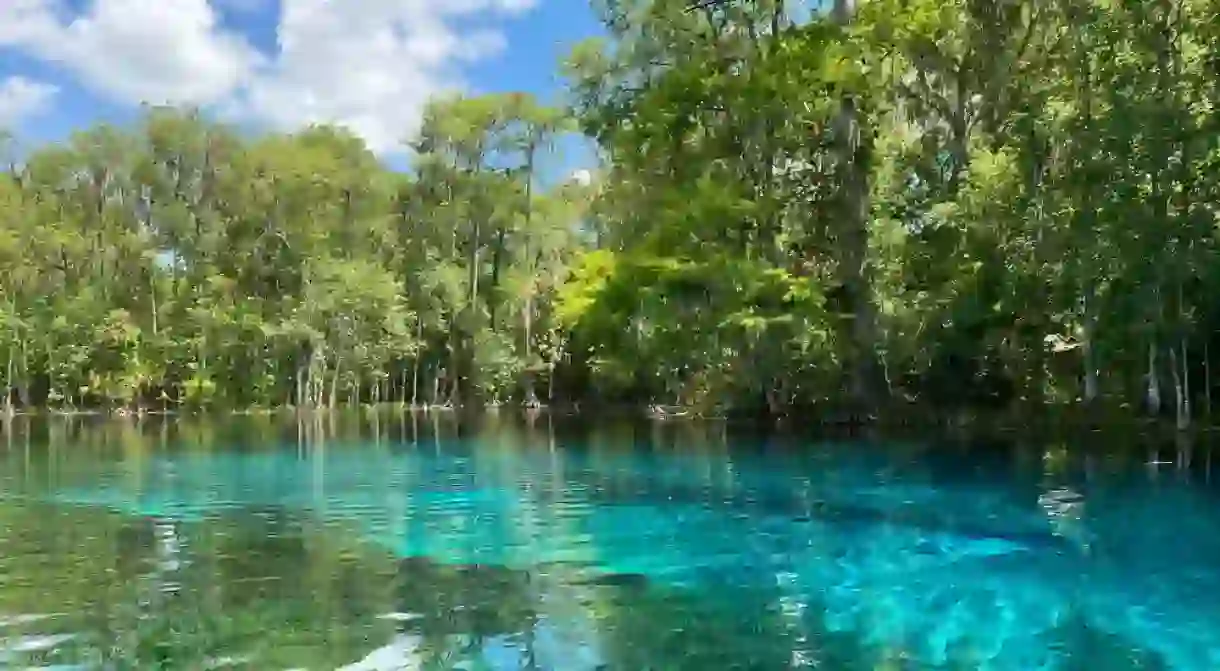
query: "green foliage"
986, 201
179, 265
959, 202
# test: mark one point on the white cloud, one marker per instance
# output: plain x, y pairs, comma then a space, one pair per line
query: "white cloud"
583, 177
25, 22
21, 98
171, 51
367, 64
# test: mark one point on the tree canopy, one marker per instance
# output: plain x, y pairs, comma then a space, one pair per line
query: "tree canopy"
973, 201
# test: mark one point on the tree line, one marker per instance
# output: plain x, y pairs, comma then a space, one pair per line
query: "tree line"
964, 202
181, 264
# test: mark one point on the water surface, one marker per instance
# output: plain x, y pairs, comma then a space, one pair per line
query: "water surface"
399, 543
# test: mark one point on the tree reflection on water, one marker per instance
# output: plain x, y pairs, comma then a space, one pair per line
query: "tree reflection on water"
249, 584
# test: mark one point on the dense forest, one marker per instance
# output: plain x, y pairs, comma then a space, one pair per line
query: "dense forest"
982, 202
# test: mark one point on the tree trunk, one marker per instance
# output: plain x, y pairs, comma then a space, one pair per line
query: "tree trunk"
300, 387
1160, 197
334, 385
1207, 375
1181, 405
853, 263
152, 292
854, 191
1153, 395
402, 384
319, 379
1090, 362
455, 355
1185, 413
23, 388
497, 257
464, 367
527, 311
527, 319
419, 337
1088, 295
8, 384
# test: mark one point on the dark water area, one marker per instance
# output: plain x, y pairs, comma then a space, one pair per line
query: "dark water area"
411, 542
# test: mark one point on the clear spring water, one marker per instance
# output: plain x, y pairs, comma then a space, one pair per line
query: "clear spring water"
395, 545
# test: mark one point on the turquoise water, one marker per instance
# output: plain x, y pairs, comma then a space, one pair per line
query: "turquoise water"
255, 544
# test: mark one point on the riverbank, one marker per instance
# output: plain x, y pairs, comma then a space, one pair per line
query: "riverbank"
892, 418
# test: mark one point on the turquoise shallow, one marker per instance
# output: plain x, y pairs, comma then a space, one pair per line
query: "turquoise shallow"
510, 547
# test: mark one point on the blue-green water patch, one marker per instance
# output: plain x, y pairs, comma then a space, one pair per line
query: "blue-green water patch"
945, 569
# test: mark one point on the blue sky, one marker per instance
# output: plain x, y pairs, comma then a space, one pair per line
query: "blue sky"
276, 64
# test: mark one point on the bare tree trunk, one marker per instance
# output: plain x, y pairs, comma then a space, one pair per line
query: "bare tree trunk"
1181, 405
319, 381
1090, 362
8, 385
419, 337
1153, 396
1207, 375
334, 385
527, 320
1184, 410
309, 383
301, 382
451, 373
152, 292
497, 258
23, 389
464, 367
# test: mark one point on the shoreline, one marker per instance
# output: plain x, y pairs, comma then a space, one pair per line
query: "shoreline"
1017, 419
